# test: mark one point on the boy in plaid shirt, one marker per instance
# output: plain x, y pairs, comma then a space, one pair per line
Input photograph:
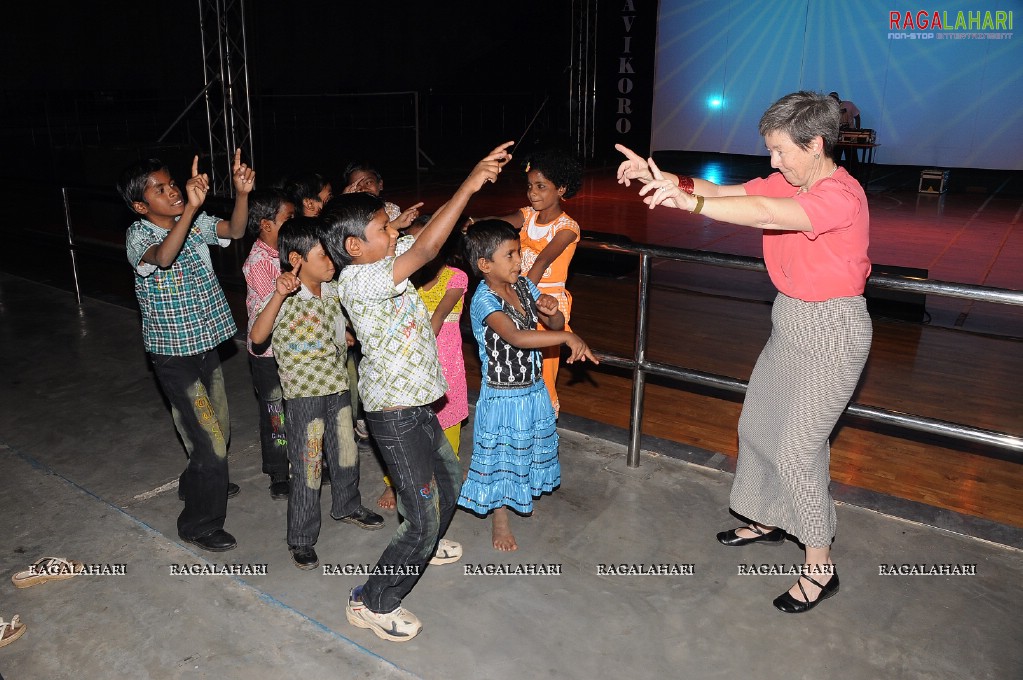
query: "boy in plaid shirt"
184, 317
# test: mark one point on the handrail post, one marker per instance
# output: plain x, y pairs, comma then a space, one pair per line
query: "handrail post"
639, 358
71, 243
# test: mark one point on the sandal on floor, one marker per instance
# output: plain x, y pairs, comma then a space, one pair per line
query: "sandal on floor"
47, 569
791, 605
11, 630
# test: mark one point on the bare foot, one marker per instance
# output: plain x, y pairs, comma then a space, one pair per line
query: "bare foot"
502, 535
386, 500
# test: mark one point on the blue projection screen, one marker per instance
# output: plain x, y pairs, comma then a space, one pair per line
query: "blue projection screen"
948, 96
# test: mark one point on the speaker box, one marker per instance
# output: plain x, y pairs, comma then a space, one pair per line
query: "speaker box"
896, 304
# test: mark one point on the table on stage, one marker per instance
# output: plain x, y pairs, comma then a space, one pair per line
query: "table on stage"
866, 161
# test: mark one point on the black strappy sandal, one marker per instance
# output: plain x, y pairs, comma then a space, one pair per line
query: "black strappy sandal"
791, 605
730, 538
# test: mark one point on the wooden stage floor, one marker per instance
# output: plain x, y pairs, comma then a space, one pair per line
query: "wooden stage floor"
963, 364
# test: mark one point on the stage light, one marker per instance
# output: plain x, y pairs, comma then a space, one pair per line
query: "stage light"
712, 172
715, 103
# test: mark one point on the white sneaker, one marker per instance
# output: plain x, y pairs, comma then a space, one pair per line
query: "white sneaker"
400, 625
447, 552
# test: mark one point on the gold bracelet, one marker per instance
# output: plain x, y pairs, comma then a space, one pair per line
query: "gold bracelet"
699, 205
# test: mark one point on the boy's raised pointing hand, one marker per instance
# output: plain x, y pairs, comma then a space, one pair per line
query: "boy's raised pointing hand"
288, 282
489, 168
244, 177
197, 185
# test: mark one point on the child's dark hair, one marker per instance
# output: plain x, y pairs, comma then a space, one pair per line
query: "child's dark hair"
559, 167
360, 166
299, 235
308, 185
347, 215
135, 177
483, 238
264, 204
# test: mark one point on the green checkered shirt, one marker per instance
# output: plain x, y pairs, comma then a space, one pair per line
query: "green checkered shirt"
184, 311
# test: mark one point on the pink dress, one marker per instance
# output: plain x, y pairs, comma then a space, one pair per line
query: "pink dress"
453, 407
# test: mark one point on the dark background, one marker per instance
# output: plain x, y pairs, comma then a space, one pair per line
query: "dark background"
303, 46
87, 87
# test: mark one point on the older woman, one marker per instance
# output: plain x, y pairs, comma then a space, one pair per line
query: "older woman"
815, 223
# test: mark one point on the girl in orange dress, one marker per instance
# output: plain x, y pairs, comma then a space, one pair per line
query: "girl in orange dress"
549, 237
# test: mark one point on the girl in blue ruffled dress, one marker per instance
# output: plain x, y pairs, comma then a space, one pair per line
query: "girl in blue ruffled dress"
515, 439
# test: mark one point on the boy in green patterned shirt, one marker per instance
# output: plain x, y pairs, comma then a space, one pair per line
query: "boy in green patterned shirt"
303, 317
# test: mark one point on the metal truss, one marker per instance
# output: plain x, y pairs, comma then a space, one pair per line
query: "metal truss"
583, 80
228, 111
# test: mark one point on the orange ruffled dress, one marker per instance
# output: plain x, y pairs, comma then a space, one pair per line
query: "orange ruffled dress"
534, 237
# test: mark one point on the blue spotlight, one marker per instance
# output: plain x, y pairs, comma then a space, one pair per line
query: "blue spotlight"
715, 103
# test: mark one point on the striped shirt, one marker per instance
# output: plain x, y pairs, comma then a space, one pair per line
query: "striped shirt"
261, 269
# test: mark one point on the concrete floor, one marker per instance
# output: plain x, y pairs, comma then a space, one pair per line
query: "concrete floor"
90, 460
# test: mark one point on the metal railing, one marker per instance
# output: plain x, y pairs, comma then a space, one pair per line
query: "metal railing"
641, 367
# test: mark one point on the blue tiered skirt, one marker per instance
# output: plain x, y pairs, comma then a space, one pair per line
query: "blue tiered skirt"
514, 451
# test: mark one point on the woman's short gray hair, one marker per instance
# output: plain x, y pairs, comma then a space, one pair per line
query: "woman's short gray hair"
802, 116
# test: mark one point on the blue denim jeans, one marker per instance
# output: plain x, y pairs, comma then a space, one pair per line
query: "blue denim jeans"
320, 431
427, 479
194, 386
273, 437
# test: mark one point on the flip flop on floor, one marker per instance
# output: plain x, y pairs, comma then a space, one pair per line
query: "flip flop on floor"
47, 569
11, 630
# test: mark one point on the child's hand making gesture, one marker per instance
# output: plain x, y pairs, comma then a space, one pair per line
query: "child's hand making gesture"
547, 305
433, 236
489, 168
243, 176
197, 185
407, 217
288, 282
580, 350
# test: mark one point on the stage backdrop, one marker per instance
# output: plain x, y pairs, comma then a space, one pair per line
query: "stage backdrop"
945, 94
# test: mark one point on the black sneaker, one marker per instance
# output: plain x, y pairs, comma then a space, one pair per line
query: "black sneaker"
232, 491
363, 518
279, 490
305, 557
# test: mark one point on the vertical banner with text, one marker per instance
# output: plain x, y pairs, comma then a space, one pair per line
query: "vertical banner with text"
626, 39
